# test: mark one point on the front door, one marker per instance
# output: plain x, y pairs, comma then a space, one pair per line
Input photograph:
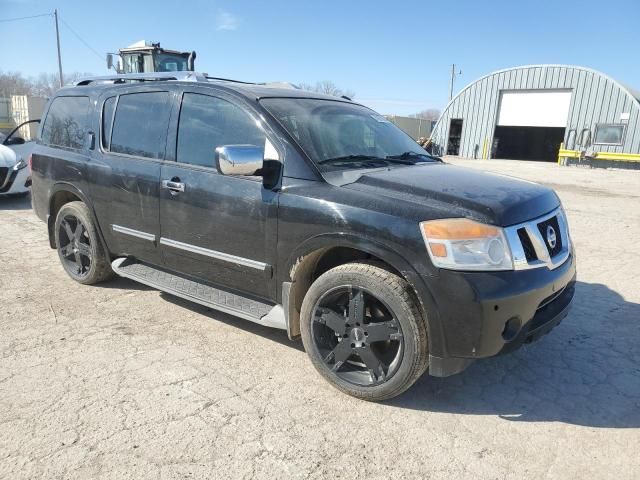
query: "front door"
216, 227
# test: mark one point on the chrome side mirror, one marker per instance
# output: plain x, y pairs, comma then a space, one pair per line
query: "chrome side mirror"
244, 160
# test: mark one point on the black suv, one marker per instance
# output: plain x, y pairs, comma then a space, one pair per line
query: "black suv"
303, 212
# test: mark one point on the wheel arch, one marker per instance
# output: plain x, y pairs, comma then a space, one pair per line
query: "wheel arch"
322, 253
61, 194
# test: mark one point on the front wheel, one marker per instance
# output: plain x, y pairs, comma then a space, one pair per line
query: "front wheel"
364, 332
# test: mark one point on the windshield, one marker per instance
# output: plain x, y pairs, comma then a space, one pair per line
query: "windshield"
166, 62
338, 135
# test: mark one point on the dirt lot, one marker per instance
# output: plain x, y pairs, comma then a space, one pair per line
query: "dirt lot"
121, 381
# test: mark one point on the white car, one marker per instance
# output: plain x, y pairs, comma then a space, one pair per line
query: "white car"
15, 176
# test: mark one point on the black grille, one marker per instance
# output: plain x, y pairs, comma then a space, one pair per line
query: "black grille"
543, 227
4, 171
527, 246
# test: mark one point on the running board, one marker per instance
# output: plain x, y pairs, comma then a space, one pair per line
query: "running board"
255, 311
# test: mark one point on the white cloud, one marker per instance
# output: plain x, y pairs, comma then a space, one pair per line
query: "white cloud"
226, 20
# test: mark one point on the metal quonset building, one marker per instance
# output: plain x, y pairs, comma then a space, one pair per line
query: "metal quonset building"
530, 112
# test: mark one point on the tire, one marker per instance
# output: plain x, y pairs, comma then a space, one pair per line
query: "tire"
79, 248
392, 329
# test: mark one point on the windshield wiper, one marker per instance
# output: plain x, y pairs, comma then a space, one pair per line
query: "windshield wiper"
370, 158
408, 155
349, 157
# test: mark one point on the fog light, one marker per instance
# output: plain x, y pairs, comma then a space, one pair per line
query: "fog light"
511, 329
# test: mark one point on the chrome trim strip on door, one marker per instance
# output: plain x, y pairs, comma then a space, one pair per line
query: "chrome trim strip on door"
213, 254
134, 233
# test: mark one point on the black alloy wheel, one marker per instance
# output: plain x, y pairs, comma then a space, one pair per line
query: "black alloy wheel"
79, 248
357, 335
364, 330
75, 246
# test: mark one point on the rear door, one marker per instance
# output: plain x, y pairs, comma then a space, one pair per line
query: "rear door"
125, 173
218, 228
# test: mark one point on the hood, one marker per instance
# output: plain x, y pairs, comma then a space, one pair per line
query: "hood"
499, 199
7, 157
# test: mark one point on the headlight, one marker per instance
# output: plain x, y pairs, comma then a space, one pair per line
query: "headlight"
20, 165
462, 244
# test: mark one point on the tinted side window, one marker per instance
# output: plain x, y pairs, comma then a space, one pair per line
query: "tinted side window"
66, 122
140, 125
209, 122
107, 120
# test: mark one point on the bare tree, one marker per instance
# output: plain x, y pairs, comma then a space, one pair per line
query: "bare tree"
328, 88
13, 83
428, 114
44, 85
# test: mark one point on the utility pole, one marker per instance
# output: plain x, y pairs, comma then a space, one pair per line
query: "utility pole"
453, 77
55, 14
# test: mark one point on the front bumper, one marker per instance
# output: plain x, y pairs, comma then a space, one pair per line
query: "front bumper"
485, 314
14, 181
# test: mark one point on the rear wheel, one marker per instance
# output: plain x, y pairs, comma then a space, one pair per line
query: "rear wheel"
363, 331
79, 247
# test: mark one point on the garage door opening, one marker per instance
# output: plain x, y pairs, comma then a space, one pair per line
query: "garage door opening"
531, 124
528, 143
455, 134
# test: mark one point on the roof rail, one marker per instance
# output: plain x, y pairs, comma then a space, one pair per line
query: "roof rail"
221, 79
183, 76
145, 77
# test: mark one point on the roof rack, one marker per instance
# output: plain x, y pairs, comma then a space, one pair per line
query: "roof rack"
145, 77
183, 76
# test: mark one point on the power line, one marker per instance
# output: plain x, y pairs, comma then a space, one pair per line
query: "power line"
24, 18
100, 56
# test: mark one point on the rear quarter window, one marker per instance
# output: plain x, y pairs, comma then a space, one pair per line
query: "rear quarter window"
107, 121
67, 122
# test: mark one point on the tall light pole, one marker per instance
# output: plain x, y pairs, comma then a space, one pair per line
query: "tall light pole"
453, 77
55, 14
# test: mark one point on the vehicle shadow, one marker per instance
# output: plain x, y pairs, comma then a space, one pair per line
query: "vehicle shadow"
123, 283
15, 202
273, 334
585, 372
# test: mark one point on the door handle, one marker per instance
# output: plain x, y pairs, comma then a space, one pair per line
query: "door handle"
173, 186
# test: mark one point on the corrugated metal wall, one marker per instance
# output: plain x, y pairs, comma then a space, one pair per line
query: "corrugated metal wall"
595, 98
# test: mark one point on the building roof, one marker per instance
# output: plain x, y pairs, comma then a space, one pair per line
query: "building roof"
633, 93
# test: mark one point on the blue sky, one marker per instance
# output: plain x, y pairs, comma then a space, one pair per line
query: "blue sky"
396, 55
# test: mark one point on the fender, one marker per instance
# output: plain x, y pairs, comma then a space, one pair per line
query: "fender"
341, 239
70, 188
326, 241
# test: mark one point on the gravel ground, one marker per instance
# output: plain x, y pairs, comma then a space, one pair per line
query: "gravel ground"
121, 381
